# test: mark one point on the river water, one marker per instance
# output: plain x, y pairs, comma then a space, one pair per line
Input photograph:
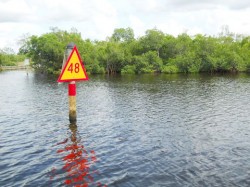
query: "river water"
143, 130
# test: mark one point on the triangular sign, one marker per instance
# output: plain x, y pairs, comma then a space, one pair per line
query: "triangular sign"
74, 69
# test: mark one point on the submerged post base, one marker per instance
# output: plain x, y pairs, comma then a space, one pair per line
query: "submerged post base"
72, 109
72, 116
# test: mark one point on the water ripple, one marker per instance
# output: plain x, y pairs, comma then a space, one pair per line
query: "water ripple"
145, 130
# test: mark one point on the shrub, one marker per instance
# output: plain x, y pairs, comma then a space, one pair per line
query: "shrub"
170, 69
128, 69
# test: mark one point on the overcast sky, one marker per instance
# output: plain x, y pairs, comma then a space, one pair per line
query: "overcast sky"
97, 19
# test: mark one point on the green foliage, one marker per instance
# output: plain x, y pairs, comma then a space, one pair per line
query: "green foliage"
153, 52
9, 58
114, 57
128, 69
123, 35
95, 68
187, 63
170, 69
153, 60
168, 49
152, 41
47, 51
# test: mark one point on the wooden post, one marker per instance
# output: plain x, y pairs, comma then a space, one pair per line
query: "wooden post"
71, 88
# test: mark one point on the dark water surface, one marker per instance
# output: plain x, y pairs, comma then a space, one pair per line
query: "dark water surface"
148, 130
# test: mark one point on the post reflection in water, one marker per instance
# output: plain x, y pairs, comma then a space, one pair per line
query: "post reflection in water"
77, 161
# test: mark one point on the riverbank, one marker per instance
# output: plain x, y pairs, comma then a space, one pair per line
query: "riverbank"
19, 67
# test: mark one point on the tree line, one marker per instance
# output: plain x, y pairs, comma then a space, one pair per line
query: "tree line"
9, 58
154, 52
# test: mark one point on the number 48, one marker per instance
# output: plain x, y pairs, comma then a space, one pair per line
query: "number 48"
73, 68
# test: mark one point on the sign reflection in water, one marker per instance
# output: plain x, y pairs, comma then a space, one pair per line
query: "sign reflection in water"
77, 161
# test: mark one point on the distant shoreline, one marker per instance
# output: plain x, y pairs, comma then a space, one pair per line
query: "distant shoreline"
19, 67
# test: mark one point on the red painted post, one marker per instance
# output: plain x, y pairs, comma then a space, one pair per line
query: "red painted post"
72, 88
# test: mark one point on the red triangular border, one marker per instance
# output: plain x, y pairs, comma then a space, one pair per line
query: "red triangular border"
82, 65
